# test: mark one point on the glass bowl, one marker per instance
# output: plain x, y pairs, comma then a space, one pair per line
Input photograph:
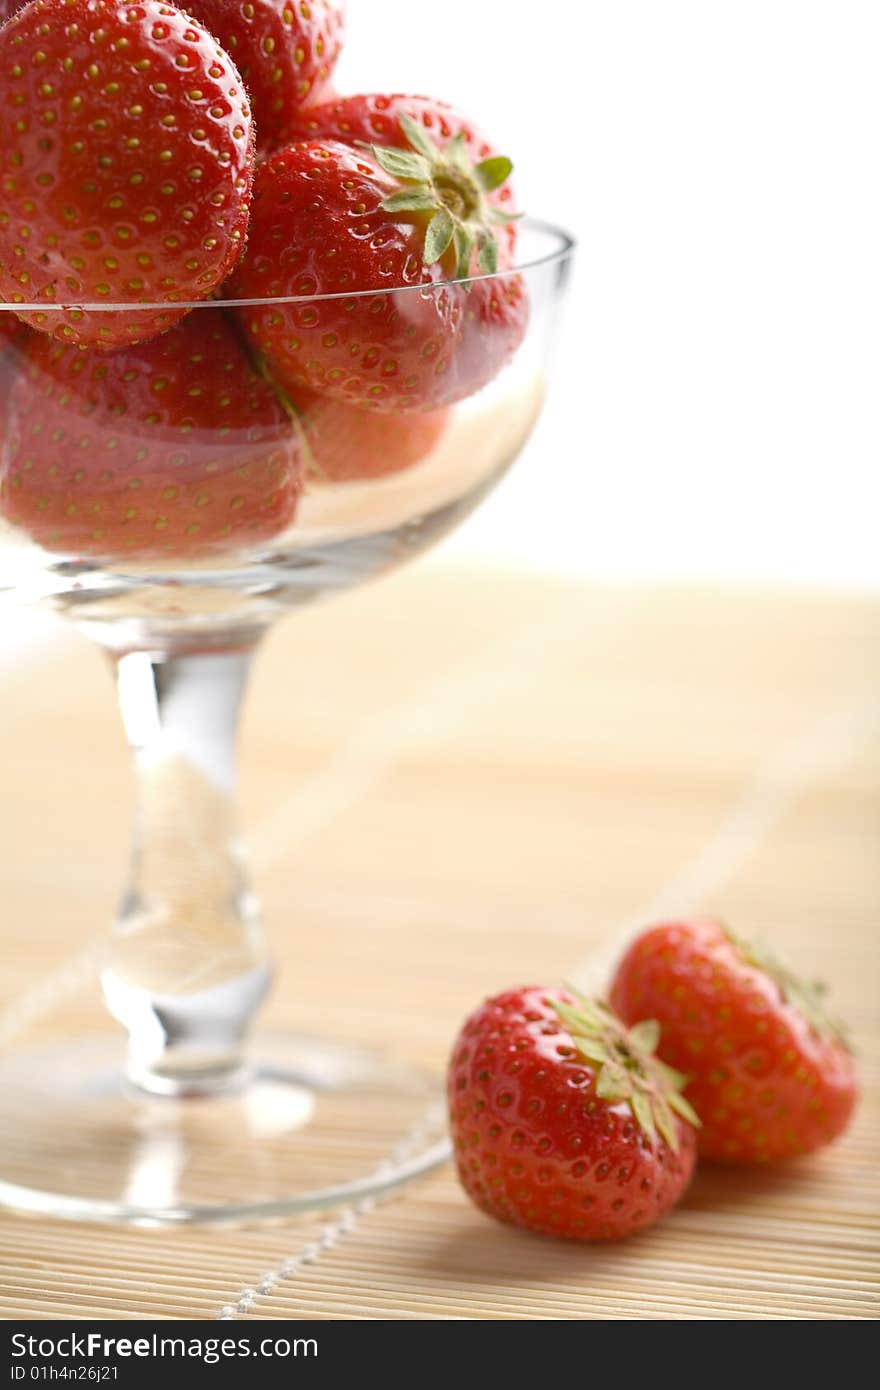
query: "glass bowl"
173, 502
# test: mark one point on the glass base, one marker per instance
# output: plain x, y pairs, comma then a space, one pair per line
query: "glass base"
312, 1125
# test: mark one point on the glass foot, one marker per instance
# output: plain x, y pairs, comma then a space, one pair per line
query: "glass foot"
312, 1125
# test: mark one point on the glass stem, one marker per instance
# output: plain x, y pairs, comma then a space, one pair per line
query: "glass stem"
187, 968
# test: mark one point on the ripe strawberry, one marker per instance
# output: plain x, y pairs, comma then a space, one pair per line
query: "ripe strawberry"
126, 164
347, 445
171, 450
318, 228
562, 1121
383, 120
496, 314
770, 1074
377, 228
285, 51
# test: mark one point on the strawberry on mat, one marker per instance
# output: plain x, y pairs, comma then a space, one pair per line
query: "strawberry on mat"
563, 1121
769, 1070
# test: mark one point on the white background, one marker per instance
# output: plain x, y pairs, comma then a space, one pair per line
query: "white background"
716, 409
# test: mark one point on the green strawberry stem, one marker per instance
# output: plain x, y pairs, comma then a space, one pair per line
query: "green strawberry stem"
452, 192
628, 1070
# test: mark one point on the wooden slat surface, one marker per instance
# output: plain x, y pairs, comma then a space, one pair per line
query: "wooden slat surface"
454, 782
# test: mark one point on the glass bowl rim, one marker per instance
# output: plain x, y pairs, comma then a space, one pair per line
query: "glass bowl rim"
566, 245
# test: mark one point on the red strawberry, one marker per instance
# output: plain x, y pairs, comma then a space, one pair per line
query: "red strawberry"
562, 1121
378, 229
346, 444
376, 120
497, 310
126, 163
770, 1074
318, 228
171, 450
285, 51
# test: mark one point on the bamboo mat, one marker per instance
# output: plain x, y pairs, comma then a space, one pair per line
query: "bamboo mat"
454, 782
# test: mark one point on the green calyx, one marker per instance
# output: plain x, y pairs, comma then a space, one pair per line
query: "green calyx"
627, 1068
452, 192
809, 997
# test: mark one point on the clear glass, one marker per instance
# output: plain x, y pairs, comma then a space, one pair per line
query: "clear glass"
178, 575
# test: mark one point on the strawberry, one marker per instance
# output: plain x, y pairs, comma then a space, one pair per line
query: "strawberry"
497, 311
285, 51
383, 229
318, 227
126, 165
384, 121
770, 1073
563, 1121
171, 450
347, 445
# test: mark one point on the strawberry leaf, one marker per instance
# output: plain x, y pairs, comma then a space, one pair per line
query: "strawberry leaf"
411, 200
684, 1108
643, 1114
588, 1013
402, 164
456, 153
646, 1035
439, 236
592, 1048
665, 1121
464, 250
419, 138
614, 1083
493, 173
674, 1079
571, 1016
489, 256
502, 218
